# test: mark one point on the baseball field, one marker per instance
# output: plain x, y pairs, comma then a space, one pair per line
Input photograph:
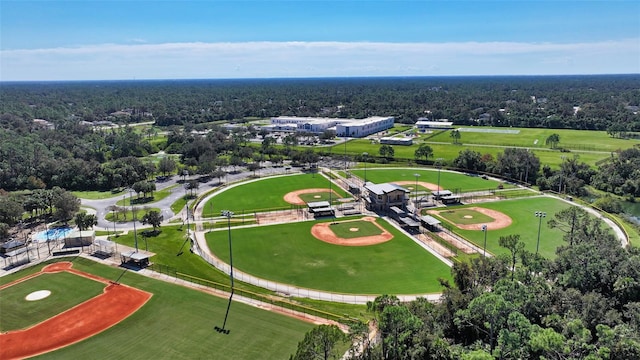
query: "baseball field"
290, 254
175, 322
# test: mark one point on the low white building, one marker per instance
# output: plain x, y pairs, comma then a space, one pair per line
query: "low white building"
424, 126
361, 128
343, 127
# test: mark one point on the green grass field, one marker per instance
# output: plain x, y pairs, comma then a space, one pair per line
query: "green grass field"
443, 147
128, 216
536, 138
18, 313
365, 228
264, 194
178, 323
525, 224
465, 216
157, 196
448, 180
97, 195
289, 254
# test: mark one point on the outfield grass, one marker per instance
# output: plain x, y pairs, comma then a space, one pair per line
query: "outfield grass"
178, 323
171, 242
525, 224
448, 180
365, 228
289, 254
18, 313
265, 194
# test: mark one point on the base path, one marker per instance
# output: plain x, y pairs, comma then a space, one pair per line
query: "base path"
322, 231
78, 323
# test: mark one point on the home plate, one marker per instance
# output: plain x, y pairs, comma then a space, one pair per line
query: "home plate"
37, 295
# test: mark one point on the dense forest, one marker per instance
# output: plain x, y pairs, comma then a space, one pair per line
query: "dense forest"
576, 102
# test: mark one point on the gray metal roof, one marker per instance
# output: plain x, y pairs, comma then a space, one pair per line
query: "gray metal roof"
385, 188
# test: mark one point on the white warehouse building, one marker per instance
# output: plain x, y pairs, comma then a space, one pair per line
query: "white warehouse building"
342, 127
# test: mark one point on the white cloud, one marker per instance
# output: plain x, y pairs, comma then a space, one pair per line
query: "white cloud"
316, 59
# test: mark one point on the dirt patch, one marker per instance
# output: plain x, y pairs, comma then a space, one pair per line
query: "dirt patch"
430, 186
500, 220
76, 324
324, 233
294, 196
279, 217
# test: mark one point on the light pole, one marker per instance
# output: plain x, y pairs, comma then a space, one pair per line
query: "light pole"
539, 215
228, 214
415, 202
561, 174
439, 160
133, 212
484, 249
365, 155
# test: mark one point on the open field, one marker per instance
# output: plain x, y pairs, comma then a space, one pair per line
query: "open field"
525, 224
128, 216
290, 254
97, 195
179, 323
17, 313
535, 138
445, 149
157, 196
448, 180
264, 194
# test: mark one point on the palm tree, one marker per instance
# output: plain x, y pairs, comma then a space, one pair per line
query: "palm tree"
85, 221
455, 135
553, 140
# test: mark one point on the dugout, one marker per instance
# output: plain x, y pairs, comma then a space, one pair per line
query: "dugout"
438, 194
135, 258
430, 223
397, 213
77, 238
450, 199
409, 222
320, 208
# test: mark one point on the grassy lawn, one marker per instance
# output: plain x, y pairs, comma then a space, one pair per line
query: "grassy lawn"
129, 214
178, 323
97, 195
365, 228
157, 196
290, 254
525, 224
265, 194
449, 151
67, 291
465, 216
448, 180
536, 137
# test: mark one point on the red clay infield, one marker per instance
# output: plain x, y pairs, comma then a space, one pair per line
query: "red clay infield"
322, 231
76, 324
294, 196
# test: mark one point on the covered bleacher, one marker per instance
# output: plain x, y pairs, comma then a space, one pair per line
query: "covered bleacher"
321, 208
429, 222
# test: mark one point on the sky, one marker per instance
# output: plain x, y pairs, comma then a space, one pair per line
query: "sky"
138, 39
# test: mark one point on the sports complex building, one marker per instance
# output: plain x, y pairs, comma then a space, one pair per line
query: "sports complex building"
343, 127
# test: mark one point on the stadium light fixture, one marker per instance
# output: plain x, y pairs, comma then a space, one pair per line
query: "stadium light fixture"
228, 214
484, 249
539, 215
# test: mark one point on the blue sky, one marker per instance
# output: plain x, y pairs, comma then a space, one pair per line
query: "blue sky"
95, 40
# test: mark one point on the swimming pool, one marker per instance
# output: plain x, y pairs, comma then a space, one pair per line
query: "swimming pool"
52, 234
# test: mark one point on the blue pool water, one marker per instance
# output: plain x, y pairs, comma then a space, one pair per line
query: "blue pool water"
52, 234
